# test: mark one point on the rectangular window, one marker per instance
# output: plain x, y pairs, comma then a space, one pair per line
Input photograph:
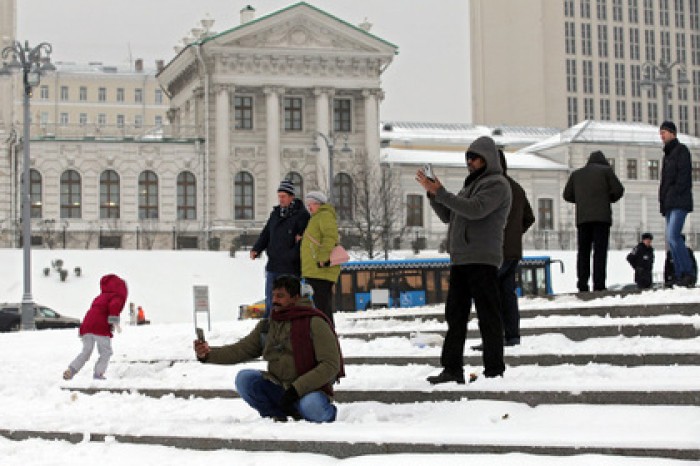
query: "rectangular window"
649, 46
83, 119
631, 169
570, 38
342, 115
649, 12
619, 42
138, 121
695, 49
158, 97
414, 210
637, 112
138, 96
545, 214
634, 44
572, 106
569, 8
44, 92
585, 8
120, 121
102, 94
63, 119
586, 45
665, 39
652, 113
663, 13
621, 110
44, 118
604, 77
120, 94
571, 75
620, 79
617, 10
680, 13
588, 109
653, 166
680, 47
293, 111
602, 40
101, 119
83, 93
635, 78
243, 111
683, 124
605, 109
694, 6
601, 9
587, 76
64, 93
158, 121
633, 10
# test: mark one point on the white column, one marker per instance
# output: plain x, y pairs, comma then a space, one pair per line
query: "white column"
273, 142
372, 97
322, 126
223, 192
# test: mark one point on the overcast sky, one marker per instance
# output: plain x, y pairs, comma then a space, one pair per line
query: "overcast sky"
428, 80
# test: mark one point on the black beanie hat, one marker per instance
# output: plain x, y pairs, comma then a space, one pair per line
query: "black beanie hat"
647, 235
668, 126
286, 186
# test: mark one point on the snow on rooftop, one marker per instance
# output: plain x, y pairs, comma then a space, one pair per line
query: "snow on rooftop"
515, 160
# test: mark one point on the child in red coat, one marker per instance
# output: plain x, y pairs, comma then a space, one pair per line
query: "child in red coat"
97, 326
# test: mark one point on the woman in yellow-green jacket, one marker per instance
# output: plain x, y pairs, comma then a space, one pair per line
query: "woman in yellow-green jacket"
320, 237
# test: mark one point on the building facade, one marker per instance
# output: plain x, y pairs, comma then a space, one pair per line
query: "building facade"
559, 62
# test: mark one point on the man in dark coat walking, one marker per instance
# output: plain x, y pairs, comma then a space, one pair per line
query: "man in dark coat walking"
520, 219
676, 200
641, 258
281, 238
593, 188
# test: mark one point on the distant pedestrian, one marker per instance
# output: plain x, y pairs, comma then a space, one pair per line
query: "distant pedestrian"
520, 219
141, 317
281, 239
320, 237
641, 258
476, 217
676, 200
97, 326
593, 188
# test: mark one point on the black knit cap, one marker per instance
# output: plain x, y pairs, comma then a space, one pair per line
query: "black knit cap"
668, 126
286, 186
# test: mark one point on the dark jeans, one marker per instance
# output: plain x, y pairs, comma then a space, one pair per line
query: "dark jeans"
477, 283
509, 299
592, 236
323, 296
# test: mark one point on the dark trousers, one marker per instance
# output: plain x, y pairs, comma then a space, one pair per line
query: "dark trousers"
592, 236
323, 296
509, 299
477, 283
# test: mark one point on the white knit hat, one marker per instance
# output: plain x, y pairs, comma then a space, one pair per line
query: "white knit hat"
317, 196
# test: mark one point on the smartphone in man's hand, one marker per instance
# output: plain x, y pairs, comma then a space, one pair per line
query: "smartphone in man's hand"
200, 334
428, 170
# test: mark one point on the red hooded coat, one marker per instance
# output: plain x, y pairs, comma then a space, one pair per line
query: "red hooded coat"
109, 303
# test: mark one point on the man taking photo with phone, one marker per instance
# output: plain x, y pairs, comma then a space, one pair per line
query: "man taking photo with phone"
303, 359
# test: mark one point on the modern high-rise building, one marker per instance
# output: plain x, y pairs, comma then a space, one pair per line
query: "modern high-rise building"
559, 62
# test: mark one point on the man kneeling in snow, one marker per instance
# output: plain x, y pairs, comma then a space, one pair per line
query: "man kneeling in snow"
303, 359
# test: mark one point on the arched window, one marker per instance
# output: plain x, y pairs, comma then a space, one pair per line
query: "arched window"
35, 193
109, 194
70, 194
298, 183
148, 195
243, 197
186, 196
343, 195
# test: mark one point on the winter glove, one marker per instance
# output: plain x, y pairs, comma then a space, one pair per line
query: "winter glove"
288, 400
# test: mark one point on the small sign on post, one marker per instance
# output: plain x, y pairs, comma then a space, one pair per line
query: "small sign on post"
201, 303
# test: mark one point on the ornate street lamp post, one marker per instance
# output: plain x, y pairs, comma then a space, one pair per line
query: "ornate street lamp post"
32, 63
660, 75
330, 145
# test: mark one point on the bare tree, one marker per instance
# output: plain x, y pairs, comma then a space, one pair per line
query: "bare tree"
149, 231
378, 208
48, 232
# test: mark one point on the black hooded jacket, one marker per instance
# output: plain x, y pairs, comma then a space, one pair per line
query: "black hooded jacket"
593, 188
278, 238
676, 188
520, 217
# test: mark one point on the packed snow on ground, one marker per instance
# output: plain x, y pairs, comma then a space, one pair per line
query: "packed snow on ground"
160, 356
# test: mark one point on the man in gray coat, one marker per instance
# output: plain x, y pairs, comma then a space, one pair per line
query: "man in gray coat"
476, 217
593, 188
